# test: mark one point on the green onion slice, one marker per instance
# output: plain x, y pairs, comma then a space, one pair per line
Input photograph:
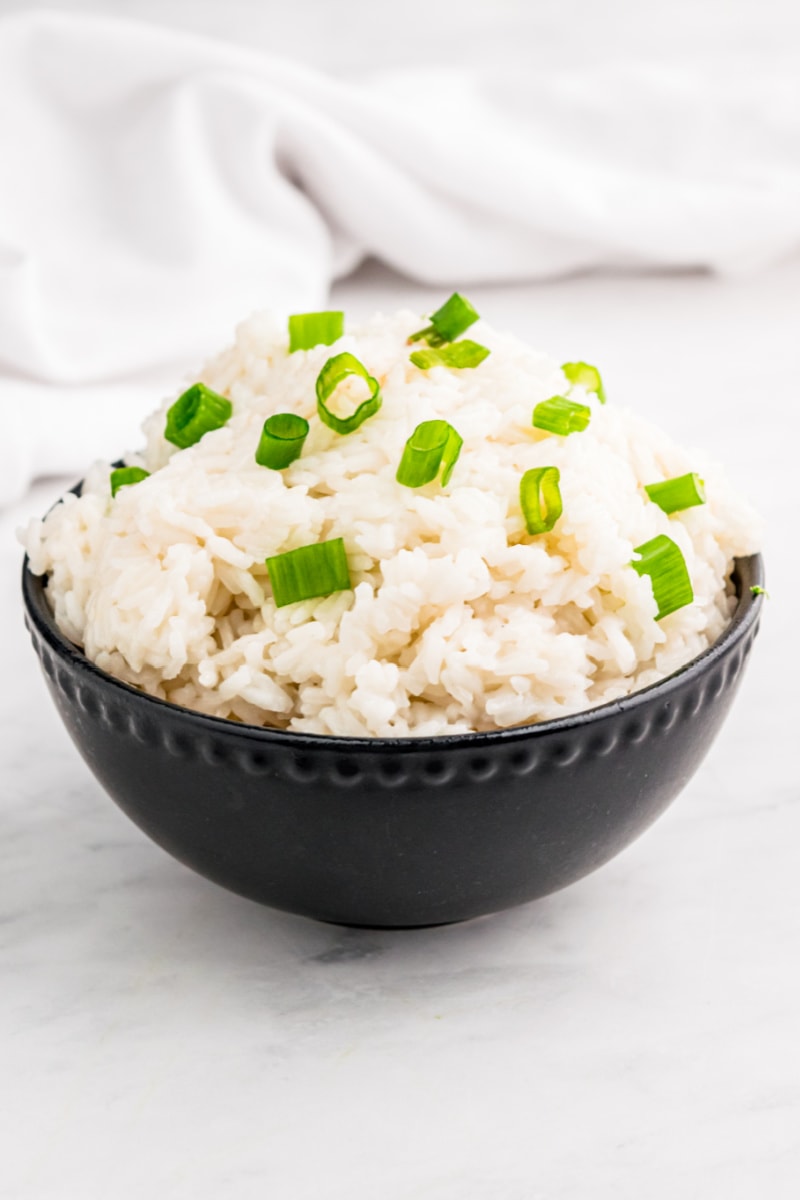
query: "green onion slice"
559, 415
448, 322
307, 330
123, 476
459, 355
674, 495
540, 498
335, 371
316, 570
662, 560
432, 445
281, 440
758, 590
587, 376
195, 413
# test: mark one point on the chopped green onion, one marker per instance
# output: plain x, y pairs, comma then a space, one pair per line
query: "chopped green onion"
459, 354
757, 590
195, 413
540, 498
316, 570
335, 371
123, 476
662, 560
448, 322
307, 330
559, 415
432, 445
674, 495
281, 440
587, 376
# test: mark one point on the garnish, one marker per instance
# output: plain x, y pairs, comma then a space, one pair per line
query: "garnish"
757, 590
662, 560
432, 445
307, 330
587, 376
459, 354
447, 323
316, 570
195, 413
335, 371
281, 440
674, 495
562, 416
124, 476
540, 498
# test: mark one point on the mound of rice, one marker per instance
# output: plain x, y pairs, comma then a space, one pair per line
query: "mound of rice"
458, 619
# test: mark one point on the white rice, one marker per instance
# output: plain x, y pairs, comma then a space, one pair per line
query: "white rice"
458, 619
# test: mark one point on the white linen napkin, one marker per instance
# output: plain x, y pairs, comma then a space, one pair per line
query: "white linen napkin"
158, 186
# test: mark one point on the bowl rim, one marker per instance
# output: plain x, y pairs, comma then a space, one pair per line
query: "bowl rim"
747, 573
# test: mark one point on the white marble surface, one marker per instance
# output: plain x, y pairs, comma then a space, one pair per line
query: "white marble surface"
633, 1036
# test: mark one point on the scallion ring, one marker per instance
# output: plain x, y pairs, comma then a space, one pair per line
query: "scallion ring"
562, 416
674, 495
432, 445
196, 413
281, 440
459, 355
124, 476
587, 376
307, 330
540, 498
662, 560
448, 322
335, 371
316, 570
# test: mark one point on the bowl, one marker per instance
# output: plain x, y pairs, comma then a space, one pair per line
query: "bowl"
403, 832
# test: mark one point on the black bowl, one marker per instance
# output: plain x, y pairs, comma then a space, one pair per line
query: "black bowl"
395, 832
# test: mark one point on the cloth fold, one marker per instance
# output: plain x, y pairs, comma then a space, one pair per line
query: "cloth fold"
158, 186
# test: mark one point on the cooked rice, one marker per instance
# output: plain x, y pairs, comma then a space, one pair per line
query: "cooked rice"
458, 619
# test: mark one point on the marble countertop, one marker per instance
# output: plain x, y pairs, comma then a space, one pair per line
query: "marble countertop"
635, 1035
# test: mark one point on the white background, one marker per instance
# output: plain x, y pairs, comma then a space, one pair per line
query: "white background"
354, 36
634, 1036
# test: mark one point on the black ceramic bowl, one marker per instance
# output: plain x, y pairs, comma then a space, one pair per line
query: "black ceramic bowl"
395, 832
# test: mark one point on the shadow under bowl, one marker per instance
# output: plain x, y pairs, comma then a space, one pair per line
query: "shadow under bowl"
401, 832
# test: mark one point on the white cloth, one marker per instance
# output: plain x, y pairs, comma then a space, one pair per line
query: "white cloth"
155, 187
